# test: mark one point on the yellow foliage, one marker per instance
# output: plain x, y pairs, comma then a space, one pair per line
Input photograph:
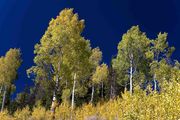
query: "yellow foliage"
101, 74
139, 106
23, 114
40, 113
63, 112
4, 115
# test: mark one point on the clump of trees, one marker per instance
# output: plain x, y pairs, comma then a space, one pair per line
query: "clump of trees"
72, 82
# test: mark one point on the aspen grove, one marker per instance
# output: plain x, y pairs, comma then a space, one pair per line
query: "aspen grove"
71, 81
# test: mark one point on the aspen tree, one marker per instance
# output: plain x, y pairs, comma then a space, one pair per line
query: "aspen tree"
159, 51
95, 60
131, 56
9, 65
62, 54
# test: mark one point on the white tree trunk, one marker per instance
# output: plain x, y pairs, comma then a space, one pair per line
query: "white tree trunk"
131, 75
54, 100
4, 98
92, 94
73, 91
154, 79
53, 105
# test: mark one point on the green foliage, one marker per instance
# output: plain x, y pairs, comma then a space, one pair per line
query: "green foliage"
66, 95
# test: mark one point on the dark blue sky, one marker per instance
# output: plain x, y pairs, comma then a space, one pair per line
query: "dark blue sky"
23, 22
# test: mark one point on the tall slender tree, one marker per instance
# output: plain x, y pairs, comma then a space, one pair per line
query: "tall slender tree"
100, 76
159, 51
131, 55
95, 59
9, 65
